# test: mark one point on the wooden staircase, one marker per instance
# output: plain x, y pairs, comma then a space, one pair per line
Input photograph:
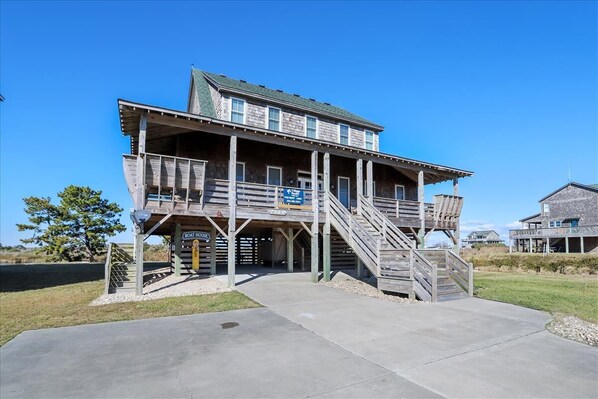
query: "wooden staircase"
120, 269
389, 254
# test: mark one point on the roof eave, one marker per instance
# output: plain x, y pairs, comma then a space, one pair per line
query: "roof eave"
439, 170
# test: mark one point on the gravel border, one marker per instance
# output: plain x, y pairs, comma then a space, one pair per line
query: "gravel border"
171, 286
574, 328
349, 283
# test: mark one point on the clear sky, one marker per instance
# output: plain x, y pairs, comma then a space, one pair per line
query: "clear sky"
505, 89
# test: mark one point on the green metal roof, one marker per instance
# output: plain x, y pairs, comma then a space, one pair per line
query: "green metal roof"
276, 96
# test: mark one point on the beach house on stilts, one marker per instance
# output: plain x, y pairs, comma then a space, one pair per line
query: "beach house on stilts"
257, 176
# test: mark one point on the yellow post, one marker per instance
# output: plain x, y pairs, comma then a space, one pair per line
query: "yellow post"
195, 255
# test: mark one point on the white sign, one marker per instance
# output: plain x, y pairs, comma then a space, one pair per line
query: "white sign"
196, 235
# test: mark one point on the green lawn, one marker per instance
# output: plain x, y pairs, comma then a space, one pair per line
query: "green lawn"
67, 305
567, 294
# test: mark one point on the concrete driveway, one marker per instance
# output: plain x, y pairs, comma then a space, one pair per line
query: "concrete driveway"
310, 341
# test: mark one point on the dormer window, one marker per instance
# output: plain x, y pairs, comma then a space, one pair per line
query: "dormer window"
274, 118
369, 140
546, 209
343, 133
311, 127
237, 110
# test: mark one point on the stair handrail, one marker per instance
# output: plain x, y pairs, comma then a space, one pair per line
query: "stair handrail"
386, 227
425, 277
358, 238
460, 271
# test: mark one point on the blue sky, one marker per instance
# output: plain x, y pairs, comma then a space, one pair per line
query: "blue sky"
506, 89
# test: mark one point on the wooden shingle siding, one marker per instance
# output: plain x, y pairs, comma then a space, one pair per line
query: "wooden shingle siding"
255, 114
217, 101
327, 130
356, 137
293, 122
571, 202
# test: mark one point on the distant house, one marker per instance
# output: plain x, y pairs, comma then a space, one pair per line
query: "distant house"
567, 222
482, 237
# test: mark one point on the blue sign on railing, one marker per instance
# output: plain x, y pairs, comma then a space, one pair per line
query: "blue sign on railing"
292, 196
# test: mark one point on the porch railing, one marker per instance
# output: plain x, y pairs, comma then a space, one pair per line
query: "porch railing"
555, 232
444, 212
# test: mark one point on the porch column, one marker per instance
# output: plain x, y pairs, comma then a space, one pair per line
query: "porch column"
530, 245
547, 248
232, 204
458, 229
422, 214
177, 249
315, 251
581, 244
213, 235
327, 252
567, 244
370, 181
140, 204
359, 184
290, 259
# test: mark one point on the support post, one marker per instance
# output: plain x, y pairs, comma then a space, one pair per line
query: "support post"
567, 244
547, 248
422, 214
177, 249
370, 181
213, 234
315, 251
581, 244
359, 184
232, 203
139, 259
530, 245
326, 249
290, 260
140, 179
457, 248
359, 267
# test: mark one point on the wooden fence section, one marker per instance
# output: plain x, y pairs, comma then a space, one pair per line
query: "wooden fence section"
167, 179
395, 263
460, 271
186, 258
119, 269
447, 210
425, 277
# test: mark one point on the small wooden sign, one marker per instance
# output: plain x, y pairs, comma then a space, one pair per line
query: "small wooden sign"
196, 235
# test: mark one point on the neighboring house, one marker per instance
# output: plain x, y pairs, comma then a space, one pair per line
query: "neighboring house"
280, 179
567, 222
482, 237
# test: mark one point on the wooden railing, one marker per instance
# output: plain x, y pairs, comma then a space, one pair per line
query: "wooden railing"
255, 195
444, 212
554, 232
425, 277
166, 178
366, 247
395, 237
117, 255
460, 271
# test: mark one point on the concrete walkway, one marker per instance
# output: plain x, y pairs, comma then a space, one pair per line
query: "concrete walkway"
310, 341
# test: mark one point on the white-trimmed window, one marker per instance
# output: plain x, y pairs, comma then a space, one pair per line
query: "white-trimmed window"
399, 192
274, 118
546, 209
369, 140
237, 110
365, 188
311, 127
241, 171
343, 134
274, 176
555, 223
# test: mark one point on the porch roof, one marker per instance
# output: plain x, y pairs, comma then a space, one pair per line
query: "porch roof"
171, 122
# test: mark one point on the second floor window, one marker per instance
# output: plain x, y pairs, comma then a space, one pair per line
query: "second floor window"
237, 112
369, 140
343, 134
241, 171
399, 192
311, 124
555, 223
546, 209
274, 119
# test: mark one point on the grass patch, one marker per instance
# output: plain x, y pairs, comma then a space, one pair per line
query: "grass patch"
572, 295
67, 305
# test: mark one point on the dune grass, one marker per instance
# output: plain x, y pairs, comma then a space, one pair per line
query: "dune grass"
68, 305
567, 294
